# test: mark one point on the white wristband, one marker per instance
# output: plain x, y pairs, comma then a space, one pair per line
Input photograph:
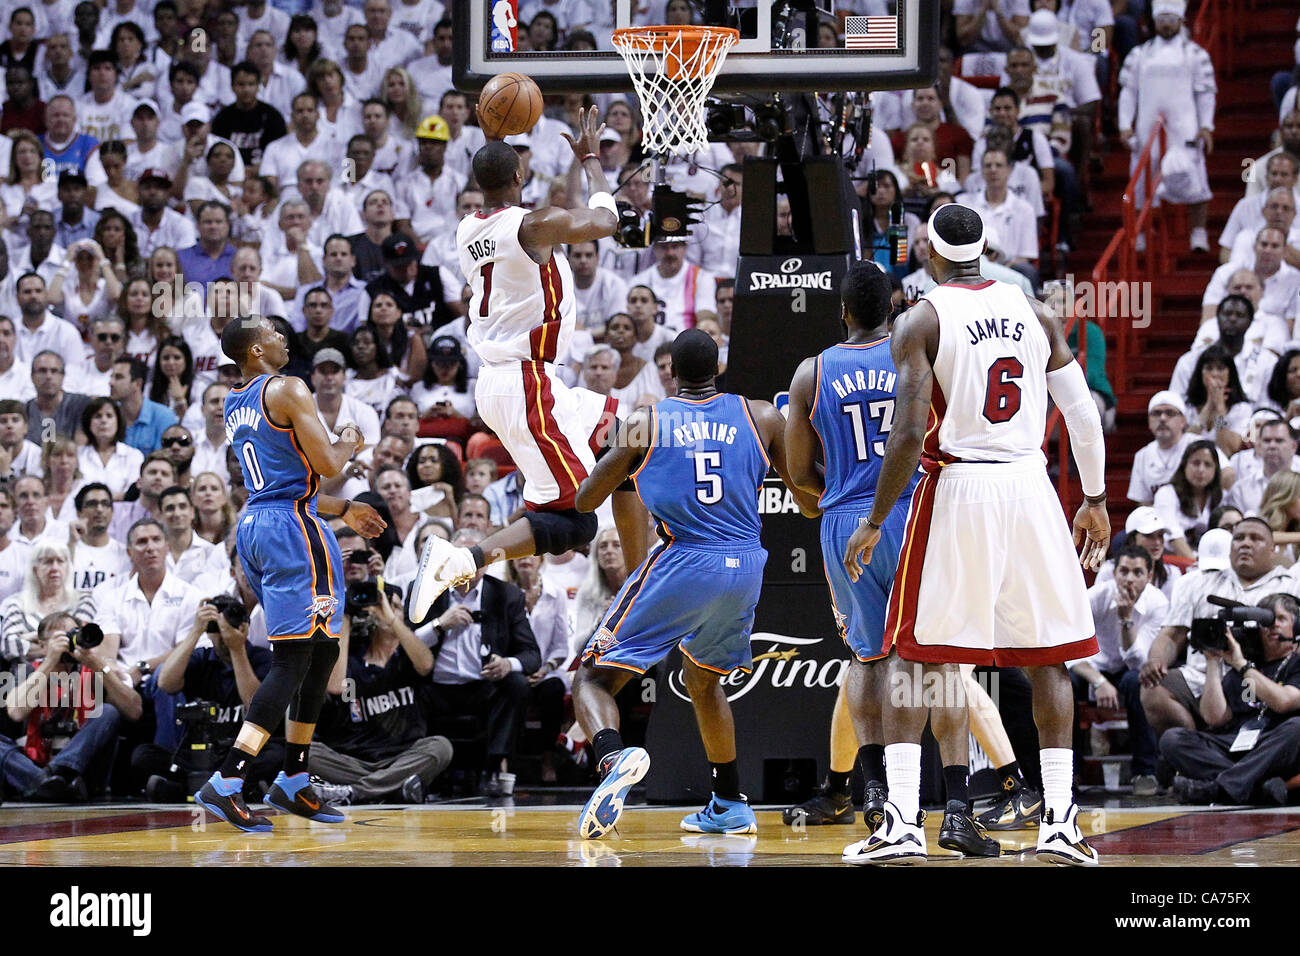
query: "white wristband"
602, 200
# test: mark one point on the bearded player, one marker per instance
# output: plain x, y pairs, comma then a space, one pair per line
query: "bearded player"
987, 573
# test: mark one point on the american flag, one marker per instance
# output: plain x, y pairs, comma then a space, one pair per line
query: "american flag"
870, 33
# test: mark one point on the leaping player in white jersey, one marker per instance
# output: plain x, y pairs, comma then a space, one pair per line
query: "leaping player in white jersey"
522, 315
987, 573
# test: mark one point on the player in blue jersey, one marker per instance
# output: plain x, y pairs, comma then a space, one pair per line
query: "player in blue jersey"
292, 562
698, 461
842, 405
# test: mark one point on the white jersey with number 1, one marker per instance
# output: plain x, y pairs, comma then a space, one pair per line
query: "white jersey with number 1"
520, 310
991, 368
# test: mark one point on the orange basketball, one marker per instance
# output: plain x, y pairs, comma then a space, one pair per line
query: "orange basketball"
510, 103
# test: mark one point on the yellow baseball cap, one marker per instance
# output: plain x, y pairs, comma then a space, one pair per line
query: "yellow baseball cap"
433, 127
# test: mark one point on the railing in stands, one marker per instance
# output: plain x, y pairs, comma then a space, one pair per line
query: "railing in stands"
1120, 266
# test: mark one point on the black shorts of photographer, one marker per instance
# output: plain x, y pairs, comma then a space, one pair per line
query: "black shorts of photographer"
200, 695
1251, 705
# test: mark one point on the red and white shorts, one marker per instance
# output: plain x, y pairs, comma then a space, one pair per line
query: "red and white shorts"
988, 573
550, 430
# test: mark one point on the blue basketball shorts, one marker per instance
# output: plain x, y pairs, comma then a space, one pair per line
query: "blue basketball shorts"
292, 561
860, 608
699, 597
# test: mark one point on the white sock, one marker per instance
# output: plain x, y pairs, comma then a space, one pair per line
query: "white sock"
1058, 778
903, 774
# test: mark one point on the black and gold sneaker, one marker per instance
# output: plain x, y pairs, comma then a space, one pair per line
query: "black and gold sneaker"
961, 832
822, 808
1017, 810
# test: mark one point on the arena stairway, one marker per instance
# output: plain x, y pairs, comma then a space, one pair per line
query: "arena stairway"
1245, 118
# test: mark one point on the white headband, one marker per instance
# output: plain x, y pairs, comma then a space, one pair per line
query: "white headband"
963, 253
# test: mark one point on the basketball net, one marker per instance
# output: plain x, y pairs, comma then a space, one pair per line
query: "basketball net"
673, 69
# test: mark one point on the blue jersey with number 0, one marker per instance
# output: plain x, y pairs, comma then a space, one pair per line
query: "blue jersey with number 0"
276, 471
852, 413
701, 477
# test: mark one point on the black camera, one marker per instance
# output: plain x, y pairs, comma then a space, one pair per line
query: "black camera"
1245, 622
196, 712
88, 636
232, 609
361, 556
362, 594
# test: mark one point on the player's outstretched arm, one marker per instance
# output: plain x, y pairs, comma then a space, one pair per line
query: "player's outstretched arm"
552, 225
771, 429
632, 441
288, 400
1069, 390
915, 338
800, 437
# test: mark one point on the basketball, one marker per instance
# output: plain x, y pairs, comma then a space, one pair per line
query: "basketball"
510, 103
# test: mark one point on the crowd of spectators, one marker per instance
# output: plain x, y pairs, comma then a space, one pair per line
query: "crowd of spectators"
172, 166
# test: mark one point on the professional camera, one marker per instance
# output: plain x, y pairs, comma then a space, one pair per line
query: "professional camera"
231, 609
88, 636
1246, 623
196, 712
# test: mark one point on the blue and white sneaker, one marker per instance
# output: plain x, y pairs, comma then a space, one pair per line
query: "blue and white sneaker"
722, 816
620, 772
296, 795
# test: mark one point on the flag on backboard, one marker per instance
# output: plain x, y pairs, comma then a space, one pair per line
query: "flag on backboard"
870, 33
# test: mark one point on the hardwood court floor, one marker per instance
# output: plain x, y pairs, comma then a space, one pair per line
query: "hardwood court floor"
144, 835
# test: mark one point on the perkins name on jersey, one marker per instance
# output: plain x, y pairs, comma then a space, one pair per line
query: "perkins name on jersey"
242, 416
874, 379
704, 431
994, 329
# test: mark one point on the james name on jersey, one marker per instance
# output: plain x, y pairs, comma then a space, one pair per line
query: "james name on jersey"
982, 329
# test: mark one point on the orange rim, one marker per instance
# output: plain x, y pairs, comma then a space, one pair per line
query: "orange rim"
678, 59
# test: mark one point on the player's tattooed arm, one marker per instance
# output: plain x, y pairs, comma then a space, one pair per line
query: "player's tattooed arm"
288, 400
771, 428
800, 438
634, 436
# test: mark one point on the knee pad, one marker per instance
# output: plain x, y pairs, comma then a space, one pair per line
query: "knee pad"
289, 664
555, 532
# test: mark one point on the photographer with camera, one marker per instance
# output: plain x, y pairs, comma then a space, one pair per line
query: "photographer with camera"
1251, 699
1171, 695
374, 743
71, 704
200, 695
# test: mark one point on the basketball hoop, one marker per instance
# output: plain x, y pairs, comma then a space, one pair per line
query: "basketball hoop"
673, 69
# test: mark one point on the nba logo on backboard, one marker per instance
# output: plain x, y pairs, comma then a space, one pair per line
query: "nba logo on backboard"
505, 24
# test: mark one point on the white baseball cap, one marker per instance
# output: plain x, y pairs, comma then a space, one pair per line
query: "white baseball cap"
1215, 549
1144, 520
1167, 398
1177, 8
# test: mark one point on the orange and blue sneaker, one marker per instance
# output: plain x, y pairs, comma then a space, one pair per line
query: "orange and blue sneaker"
619, 772
222, 797
296, 795
722, 816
